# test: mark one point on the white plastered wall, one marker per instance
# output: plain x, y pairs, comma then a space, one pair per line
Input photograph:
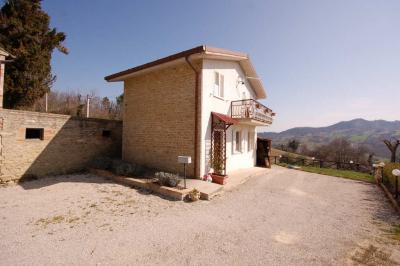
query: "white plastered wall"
232, 91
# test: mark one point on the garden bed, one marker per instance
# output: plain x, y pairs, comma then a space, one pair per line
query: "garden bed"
176, 193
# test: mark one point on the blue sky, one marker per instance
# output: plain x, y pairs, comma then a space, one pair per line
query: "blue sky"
321, 61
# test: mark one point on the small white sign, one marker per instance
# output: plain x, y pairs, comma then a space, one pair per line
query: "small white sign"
184, 159
396, 172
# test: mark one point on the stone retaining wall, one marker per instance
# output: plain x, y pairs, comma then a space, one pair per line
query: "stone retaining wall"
36, 144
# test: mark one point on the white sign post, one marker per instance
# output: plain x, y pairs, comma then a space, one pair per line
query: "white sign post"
184, 160
396, 173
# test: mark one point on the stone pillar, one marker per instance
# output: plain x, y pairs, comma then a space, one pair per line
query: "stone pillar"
2, 68
378, 172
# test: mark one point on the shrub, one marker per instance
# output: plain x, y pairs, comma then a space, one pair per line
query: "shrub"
120, 167
140, 170
167, 179
387, 172
104, 163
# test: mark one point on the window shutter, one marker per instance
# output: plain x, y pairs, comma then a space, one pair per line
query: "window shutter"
221, 86
216, 78
250, 140
216, 84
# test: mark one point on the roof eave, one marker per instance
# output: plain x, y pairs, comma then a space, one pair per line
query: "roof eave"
205, 51
116, 76
253, 78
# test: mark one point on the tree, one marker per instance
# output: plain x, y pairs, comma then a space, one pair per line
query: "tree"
25, 32
341, 150
72, 103
120, 99
106, 104
293, 145
392, 145
283, 147
304, 150
370, 159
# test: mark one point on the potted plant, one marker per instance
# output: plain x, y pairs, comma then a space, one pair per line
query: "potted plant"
217, 172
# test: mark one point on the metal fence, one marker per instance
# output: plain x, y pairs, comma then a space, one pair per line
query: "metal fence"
301, 161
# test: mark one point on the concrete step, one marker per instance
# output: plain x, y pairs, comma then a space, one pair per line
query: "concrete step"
207, 189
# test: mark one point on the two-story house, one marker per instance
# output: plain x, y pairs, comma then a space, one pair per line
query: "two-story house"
200, 102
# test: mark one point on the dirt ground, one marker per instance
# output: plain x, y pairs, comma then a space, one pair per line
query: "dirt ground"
285, 217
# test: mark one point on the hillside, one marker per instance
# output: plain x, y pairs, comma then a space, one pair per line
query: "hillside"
358, 131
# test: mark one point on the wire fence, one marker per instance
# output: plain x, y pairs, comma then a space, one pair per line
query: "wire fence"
301, 161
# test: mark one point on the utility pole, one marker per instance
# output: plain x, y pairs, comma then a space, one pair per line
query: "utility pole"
87, 105
46, 104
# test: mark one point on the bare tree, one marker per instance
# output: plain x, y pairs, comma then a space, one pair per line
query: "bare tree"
72, 103
293, 145
341, 150
392, 145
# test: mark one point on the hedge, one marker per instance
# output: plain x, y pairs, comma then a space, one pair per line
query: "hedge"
387, 173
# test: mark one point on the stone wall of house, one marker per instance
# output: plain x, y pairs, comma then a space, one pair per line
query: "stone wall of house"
159, 109
40, 144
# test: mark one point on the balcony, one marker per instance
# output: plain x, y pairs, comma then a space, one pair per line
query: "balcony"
251, 112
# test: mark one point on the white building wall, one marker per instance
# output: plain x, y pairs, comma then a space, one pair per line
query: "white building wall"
232, 91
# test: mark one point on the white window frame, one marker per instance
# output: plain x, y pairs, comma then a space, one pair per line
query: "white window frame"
234, 142
219, 84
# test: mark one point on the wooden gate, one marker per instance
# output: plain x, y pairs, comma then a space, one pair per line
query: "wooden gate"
263, 152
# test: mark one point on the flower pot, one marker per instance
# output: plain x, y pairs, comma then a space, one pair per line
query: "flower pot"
219, 179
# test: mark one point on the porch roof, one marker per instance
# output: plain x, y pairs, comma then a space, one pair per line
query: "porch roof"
225, 118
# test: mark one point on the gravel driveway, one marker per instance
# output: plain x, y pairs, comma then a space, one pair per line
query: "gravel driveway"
286, 217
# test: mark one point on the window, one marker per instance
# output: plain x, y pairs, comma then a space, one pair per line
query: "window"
34, 133
106, 133
218, 85
237, 141
250, 141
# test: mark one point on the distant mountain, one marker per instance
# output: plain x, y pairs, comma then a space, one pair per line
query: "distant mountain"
358, 131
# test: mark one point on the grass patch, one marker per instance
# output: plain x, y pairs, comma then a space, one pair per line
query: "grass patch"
53, 220
338, 173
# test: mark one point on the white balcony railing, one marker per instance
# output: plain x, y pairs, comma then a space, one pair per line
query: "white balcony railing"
251, 109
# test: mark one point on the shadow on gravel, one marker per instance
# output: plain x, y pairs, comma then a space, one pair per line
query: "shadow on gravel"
75, 178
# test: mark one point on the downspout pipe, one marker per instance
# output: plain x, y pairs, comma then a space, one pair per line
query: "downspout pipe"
196, 119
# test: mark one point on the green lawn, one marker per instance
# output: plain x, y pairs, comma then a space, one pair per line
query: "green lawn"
339, 173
